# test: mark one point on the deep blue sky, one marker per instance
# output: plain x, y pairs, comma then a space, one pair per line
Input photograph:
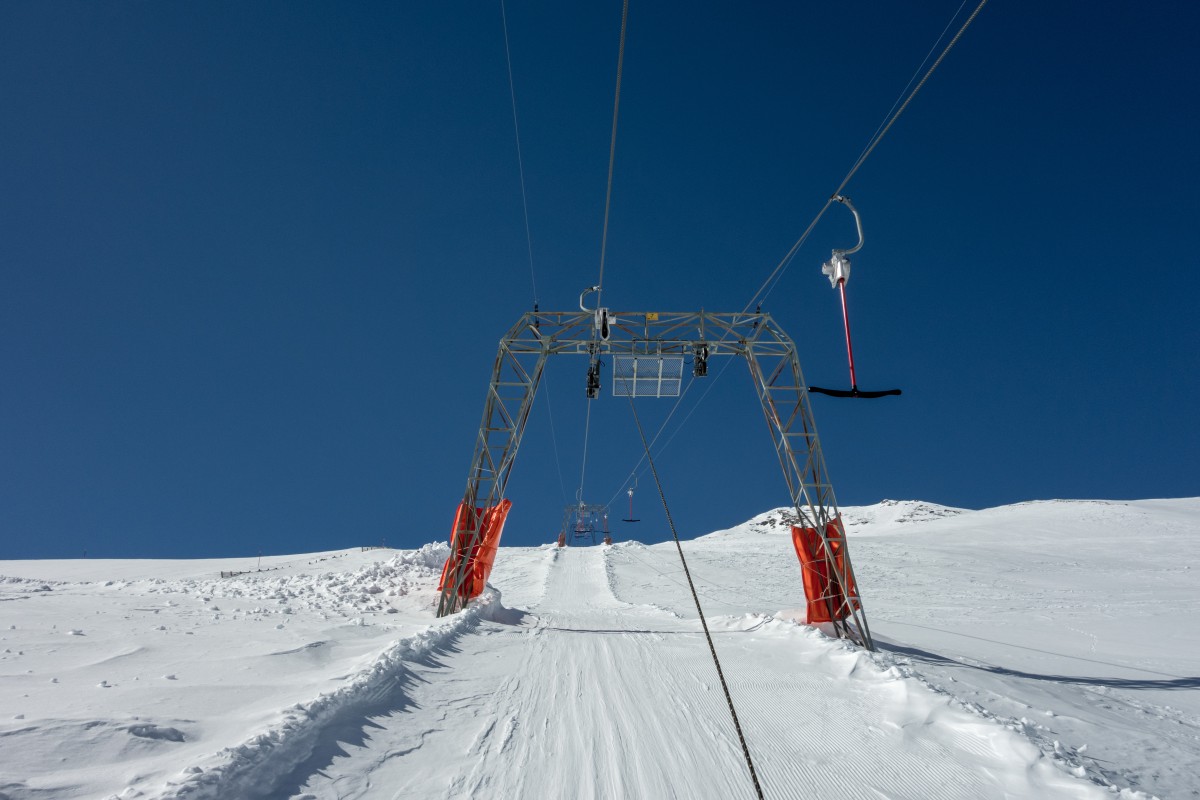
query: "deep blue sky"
256, 257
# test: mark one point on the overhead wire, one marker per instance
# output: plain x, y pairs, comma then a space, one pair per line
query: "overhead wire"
512, 91
554, 438
870, 148
916, 72
768, 286
612, 155
587, 425
696, 405
612, 148
696, 599
879, 138
637, 468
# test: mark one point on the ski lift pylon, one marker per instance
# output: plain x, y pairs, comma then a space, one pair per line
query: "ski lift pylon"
582, 521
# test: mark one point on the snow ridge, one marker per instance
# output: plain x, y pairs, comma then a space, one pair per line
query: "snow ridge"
883, 513
260, 764
896, 512
364, 590
1074, 761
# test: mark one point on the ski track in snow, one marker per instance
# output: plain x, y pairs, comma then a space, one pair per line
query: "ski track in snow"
1002, 670
589, 696
311, 731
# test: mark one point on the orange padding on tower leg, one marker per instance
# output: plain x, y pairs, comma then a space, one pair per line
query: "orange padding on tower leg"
480, 558
826, 601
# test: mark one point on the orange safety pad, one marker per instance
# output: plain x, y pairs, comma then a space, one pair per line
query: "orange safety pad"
455, 548
826, 601
489, 541
479, 559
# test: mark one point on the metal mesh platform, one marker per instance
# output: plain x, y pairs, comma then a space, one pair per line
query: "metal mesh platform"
647, 376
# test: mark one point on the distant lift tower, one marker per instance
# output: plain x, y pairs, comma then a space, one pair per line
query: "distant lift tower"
582, 522
648, 351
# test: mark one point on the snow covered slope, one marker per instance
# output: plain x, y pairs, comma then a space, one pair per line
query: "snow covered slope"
1037, 650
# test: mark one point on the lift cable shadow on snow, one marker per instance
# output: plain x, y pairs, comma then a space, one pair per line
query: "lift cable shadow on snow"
1033, 649
1172, 682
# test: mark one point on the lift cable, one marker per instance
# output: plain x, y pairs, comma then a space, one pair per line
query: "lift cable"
612, 149
696, 405
512, 91
599, 287
874, 142
520, 161
875, 137
638, 469
696, 599
587, 425
554, 438
916, 72
933, 67
768, 286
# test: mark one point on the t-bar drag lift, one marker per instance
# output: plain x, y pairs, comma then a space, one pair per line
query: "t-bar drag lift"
629, 492
837, 268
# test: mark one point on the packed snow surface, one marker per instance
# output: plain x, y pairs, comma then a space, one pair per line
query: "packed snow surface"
1039, 650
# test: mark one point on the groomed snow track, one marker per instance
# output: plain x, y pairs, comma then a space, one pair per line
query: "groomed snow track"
585, 695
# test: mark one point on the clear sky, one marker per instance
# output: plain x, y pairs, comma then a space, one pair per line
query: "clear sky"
256, 257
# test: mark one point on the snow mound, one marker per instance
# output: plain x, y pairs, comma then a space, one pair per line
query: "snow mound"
262, 763
887, 515
365, 589
155, 665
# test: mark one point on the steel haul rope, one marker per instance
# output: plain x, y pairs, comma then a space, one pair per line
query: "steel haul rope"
520, 161
700, 611
769, 284
512, 91
612, 154
916, 72
861, 160
612, 148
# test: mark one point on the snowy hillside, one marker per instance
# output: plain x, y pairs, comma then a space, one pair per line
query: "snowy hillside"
884, 517
1038, 650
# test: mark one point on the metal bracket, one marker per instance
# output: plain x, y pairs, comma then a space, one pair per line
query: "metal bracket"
837, 268
599, 315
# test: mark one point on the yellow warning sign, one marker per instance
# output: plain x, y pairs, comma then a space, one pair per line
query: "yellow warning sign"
651, 316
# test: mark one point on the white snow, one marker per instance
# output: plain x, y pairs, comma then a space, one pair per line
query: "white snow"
1037, 650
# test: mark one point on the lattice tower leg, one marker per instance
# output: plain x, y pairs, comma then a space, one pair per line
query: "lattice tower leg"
515, 378
784, 397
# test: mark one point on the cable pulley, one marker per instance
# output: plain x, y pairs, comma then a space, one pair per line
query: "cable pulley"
599, 315
700, 360
599, 334
837, 269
